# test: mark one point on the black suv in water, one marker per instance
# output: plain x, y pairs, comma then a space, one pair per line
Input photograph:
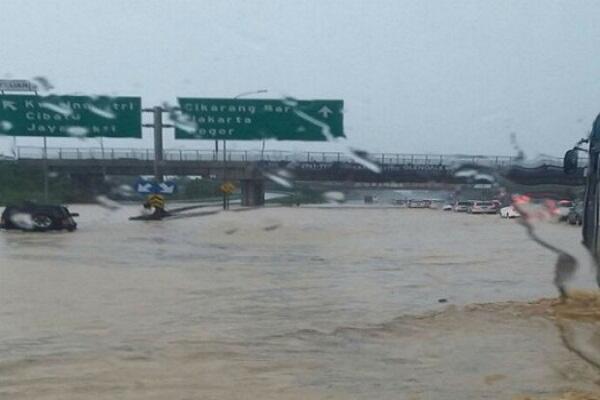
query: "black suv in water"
38, 217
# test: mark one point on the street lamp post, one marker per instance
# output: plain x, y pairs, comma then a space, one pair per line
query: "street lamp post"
237, 97
225, 200
246, 94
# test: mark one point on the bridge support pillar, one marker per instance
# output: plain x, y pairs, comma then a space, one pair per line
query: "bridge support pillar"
89, 185
253, 192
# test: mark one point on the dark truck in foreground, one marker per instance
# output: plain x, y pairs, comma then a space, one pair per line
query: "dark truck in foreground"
38, 218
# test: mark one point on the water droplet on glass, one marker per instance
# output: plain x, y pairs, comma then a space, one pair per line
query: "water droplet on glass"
520, 153
187, 126
466, 173
104, 113
279, 180
284, 173
22, 220
290, 101
5, 126
325, 129
126, 190
44, 83
61, 108
107, 203
334, 197
77, 131
180, 120
361, 157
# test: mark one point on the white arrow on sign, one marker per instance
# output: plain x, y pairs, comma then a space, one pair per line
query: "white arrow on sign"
144, 188
7, 104
166, 188
325, 111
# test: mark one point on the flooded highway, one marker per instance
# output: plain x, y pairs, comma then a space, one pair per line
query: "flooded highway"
285, 303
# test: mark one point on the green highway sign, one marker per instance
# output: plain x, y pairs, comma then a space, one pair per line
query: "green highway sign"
252, 119
71, 116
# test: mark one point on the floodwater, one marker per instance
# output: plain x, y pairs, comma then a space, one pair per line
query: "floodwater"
284, 303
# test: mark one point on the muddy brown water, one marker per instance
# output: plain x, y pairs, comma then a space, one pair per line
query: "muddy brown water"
298, 303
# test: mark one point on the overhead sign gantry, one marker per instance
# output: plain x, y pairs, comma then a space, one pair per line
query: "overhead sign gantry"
71, 116
254, 119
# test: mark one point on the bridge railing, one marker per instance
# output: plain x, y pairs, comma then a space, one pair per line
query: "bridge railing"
98, 153
67, 153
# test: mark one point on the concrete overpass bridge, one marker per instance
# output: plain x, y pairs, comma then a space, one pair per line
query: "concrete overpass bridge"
87, 165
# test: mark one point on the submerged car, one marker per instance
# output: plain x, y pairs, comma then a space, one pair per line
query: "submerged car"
482, 207
435, 204
563, 208
462, 206
509, 212
416, 203
38, 217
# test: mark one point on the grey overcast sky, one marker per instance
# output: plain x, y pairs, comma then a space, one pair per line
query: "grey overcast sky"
416, 76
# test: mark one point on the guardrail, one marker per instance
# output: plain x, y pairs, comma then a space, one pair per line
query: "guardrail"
97, 153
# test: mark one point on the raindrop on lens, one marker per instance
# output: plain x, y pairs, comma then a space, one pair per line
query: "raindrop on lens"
44, 83
104, 113
290, 101
22, 220
361, 157
465, 173
279, 180
107, 203
62, 109
5, 126
77, 131
334, 197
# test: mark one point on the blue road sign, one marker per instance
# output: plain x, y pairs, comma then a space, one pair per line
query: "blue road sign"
167, 187
143, 186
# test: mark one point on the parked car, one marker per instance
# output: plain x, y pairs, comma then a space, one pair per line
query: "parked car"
435, 204
575, 216
482, 207
38, 217
416, 203
447, 207
462, 206
509, 212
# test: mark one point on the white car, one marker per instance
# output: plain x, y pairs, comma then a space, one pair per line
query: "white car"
482, 207
509, 212
563, 208
462, 206
413, 203
435, 204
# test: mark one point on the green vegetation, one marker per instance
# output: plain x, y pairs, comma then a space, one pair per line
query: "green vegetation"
18, 184
196, 189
